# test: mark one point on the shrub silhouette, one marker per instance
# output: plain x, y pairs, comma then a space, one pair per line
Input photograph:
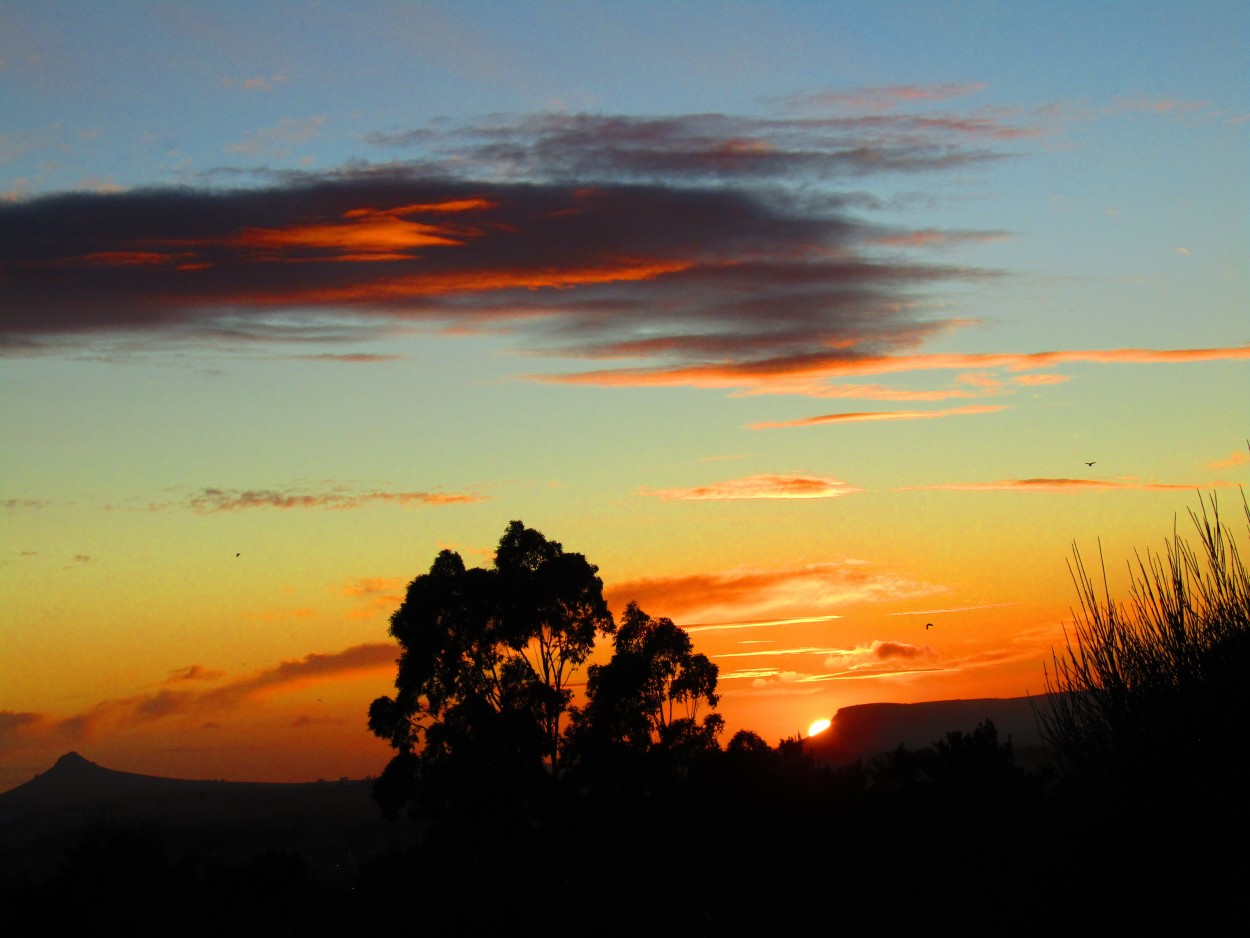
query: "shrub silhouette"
1149, 702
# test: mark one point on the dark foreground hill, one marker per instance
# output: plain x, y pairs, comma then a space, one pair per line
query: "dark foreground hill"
327, 823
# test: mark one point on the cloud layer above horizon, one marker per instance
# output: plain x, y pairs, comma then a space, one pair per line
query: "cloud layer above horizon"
694, 240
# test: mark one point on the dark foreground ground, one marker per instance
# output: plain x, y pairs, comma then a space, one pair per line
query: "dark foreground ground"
746, 847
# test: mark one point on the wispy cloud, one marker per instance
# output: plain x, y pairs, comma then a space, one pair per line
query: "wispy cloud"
759, 624
255, 82
194, 672
14, 726
352, 358
1061, 485
16, 504
950, 609
808, 370
277, 142
760, 486
881, 97
876, 415
213, 500
201, 704
754, 595
875, 660
1232, 460
374, 595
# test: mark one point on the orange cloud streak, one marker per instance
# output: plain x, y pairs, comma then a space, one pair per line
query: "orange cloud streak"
877, 415
761, 486
757, 373
380, 232
169, 703
1057, 485
477, 281
1231, 461
744, 595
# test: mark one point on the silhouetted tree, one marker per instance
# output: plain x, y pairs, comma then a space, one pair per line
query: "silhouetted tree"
648, 697
486, 657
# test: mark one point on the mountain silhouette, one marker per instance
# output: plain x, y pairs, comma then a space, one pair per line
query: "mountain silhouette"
865, 730
77, 780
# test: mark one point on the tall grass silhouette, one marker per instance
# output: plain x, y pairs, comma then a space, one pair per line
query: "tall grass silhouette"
1150, 695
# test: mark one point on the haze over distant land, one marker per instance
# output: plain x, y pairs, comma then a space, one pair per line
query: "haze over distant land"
826, 333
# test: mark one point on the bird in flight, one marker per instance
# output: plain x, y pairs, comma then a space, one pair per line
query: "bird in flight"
1090, 463
927, 626
238, 554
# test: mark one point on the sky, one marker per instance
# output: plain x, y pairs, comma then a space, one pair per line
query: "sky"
827, 330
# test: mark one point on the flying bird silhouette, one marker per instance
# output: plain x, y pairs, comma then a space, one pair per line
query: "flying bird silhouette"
927, 626
1089, 463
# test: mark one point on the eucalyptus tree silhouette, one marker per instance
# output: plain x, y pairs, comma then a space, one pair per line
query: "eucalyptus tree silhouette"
483, 676
648, 697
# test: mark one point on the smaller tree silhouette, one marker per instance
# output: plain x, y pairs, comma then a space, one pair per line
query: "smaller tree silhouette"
647, 698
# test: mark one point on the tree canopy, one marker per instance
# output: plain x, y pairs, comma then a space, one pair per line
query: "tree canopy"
648, 697
482, 679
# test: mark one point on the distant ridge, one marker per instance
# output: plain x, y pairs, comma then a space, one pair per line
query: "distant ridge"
865, 730
76, 780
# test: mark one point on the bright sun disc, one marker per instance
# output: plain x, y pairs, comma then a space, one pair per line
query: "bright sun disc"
818, 727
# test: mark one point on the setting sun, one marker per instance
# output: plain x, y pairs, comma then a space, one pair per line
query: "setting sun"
818, 727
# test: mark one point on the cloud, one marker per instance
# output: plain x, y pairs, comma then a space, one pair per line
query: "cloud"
878, 658
875, 415
750, 595
377, 595
302, 721
276, 142
761, 486
1040, 379
16, 504
354, 358
14, 725
805, 373
881, 97
213, 500
761, 624
1057, 485
1232, 460
692, 241
774, 652
869, 392
194, 672
873, 661
200, 704
372, 586
255, 83
938, 612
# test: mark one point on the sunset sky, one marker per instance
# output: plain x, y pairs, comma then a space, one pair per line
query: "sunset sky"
810, 324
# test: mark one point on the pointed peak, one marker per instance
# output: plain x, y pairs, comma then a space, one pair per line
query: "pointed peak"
72, 759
